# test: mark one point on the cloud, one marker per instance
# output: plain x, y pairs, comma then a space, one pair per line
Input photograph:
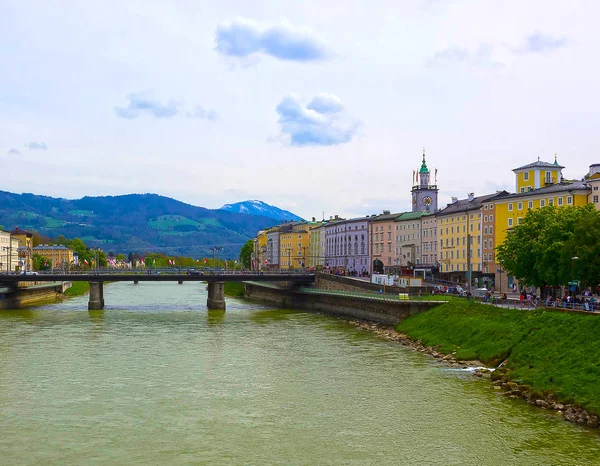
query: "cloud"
539, 43
36, 146
145, 103
482, 57
13, 152
320, 123
243, 37
202, 113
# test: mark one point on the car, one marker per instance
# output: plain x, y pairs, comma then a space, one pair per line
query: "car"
28, 272
194, 272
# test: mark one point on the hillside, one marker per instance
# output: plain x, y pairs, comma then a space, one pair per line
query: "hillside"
133, 222
261, 208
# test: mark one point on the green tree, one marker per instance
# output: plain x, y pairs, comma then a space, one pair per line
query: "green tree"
41, 263
246, 253
541, 250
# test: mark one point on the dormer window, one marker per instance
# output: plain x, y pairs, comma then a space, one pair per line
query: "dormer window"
526, 176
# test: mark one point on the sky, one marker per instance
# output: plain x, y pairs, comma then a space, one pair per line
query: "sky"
320, 108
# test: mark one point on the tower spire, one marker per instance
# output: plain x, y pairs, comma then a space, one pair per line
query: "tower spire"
555, 161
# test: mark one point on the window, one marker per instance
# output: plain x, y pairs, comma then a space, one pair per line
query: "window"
551, 201
510, 223
518, 220
510, 207
569, 200
526, 176
595, 188
596, 199
485, 219
520, 206
560, 201
522, 190
530, 205
548, 177
491, 218
542, 202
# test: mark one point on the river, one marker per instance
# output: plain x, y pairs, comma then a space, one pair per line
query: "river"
155, 378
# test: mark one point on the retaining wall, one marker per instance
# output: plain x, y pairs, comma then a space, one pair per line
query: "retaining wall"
374, 310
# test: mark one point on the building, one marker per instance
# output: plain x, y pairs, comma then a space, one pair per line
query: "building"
9, 257
383, 250
593, 180
293, 245
459, 227
424, 194
538, 184
61, 257
347, 244
415, 243
25, 247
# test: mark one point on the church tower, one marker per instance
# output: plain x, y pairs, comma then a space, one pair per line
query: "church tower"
424, 193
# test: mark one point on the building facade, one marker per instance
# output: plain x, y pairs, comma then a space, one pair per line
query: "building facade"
347, 244
24, 248
61, 257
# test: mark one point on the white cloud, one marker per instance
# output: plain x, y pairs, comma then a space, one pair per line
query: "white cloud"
36, 146
244, 37
315, 124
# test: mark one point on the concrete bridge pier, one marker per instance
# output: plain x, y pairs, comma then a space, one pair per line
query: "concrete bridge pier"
96, 301
216, 295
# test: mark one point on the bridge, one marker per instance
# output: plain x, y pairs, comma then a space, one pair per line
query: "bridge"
216, 281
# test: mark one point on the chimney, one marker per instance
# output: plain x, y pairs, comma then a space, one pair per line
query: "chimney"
337, 217
313, 219
471, 196
330, 217
454, 200
386, 212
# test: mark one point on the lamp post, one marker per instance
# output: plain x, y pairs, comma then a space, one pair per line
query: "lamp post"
573, 259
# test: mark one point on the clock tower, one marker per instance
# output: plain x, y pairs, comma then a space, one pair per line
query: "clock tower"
424, 193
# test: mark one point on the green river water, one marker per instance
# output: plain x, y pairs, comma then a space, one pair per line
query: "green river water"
155, 378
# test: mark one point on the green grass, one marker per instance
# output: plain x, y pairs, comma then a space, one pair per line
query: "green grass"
167, 222
552, 351
77, 289
53, 223
235, 289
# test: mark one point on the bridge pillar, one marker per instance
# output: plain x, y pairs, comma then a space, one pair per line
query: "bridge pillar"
216, 295
135, 282
96, 296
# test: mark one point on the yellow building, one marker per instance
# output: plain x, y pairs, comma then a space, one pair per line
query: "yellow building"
61, 256
294, 246
539, 184
459, 228
259, 252
24, 248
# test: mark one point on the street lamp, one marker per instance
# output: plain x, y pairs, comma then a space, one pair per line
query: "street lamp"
573, 259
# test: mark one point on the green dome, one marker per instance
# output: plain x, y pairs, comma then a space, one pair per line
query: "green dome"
424, 168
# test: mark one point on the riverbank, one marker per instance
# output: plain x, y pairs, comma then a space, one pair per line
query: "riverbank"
234, 289
77, 289
549, 358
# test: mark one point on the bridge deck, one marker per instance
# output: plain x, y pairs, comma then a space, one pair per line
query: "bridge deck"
154, 277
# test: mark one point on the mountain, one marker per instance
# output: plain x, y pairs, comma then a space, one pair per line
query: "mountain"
133, 222
261, 208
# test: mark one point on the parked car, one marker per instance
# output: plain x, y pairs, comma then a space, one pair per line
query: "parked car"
28, 272
195, 272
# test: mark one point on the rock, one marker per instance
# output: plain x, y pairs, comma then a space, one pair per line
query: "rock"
593, 421
497, 387
512, 385
559, 413
570, 416
541, 403
559, 406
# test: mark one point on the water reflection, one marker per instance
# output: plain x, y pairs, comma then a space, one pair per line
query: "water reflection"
215, 317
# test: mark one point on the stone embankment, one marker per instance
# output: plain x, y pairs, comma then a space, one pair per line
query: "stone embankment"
500, 377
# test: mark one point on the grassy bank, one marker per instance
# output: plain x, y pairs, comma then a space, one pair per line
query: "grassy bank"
551, 351
234, 289
77, 289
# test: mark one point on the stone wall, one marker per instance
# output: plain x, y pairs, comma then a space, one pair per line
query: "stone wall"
374, 310
326, 281
31, 296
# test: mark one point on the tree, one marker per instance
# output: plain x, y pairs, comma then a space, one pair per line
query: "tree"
552, 246
41, 263
246, 253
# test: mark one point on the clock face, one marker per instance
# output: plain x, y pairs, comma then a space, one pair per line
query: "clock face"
427, 200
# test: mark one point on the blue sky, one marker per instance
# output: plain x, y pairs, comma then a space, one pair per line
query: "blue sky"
311, 106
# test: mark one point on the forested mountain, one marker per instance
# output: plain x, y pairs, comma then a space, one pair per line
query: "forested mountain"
133, 222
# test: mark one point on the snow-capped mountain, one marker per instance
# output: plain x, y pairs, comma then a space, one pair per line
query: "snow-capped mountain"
261, 208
